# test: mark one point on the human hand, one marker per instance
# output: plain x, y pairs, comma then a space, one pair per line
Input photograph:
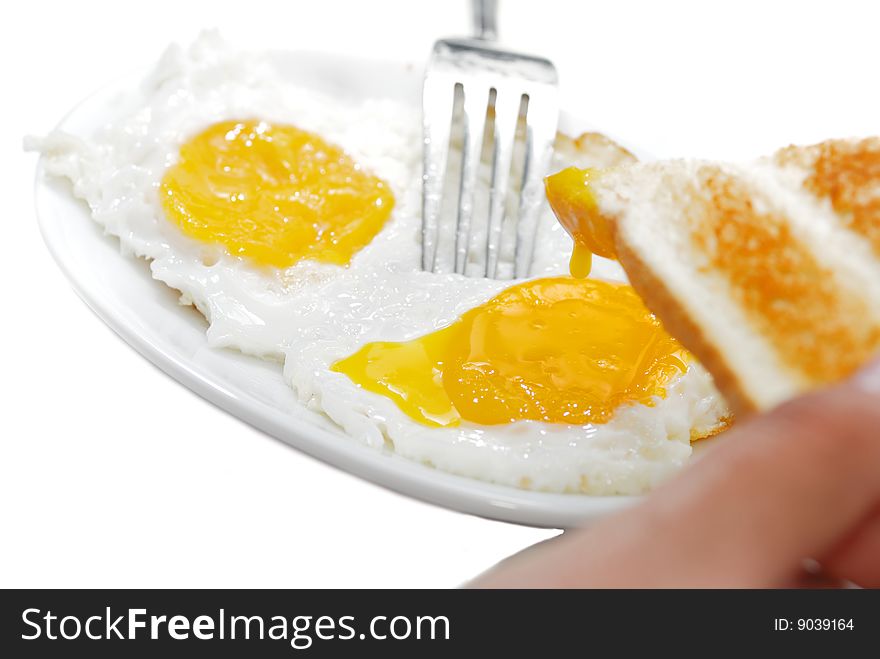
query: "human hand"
802, 481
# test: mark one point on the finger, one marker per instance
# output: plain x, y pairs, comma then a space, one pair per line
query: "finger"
780, 487
857, 559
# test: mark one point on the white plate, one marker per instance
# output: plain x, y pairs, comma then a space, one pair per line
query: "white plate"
146, 314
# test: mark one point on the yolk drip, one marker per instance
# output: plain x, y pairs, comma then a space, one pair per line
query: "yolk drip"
558, 350
575, 206
274, 194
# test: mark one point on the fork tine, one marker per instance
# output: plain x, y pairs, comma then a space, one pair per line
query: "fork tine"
475, 103
437, 101
506, 114
470, 71
541, 118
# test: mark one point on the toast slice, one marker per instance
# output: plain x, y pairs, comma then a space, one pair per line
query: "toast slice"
768, 271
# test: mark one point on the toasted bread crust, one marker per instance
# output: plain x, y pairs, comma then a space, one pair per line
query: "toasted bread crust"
612, 154
818, 327
784, 249
848, 174
679, 322
818, 321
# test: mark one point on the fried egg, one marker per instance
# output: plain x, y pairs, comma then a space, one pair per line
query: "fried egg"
291, 221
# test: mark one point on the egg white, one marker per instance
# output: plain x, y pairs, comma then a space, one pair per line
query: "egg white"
311, 314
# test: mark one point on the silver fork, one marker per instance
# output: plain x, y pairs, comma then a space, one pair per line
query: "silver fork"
489, 78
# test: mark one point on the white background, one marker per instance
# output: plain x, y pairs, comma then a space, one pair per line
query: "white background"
114, 475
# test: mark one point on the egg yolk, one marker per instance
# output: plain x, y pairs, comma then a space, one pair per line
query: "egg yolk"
575, 206
274, 194
558, 350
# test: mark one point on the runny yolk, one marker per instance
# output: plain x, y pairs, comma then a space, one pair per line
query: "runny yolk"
559, 350
581, 261
274, 194
575, 206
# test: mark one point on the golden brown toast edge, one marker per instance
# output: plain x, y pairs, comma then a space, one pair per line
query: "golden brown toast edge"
680, 324
847, 174
829, 164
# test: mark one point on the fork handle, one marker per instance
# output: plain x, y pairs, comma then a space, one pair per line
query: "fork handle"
485, 23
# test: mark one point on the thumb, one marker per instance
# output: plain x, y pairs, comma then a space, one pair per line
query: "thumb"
778, 488
857, 558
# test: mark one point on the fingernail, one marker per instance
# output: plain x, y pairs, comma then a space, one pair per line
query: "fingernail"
868, 378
